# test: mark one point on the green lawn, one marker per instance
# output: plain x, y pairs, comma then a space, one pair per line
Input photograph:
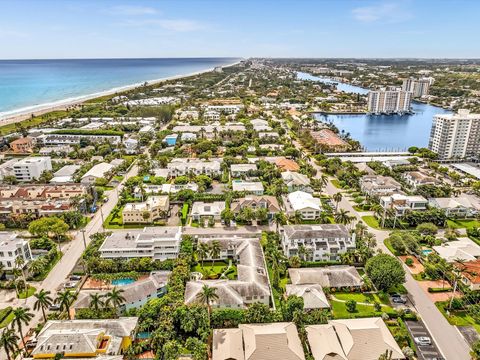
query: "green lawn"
336, 183
389, 247
26, 294
340, 311
49, 267
460, 224
360, 297
458, 318
371, 221
7, 320
215, 270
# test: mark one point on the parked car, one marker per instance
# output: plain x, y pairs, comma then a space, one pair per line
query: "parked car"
32, 343
70, 285
398, 299
423, 340
75, 277
54, 307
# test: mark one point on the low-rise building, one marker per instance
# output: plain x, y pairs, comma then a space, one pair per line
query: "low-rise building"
75, 139
378, 185
81, 339
312, 295
146, 212
352, 339
65, 174
171, 140
332, 277
201, 210
416, 178
462, 206
22, 145
12, 247
250, 187
180, 167
392, 164
402, 203
188, 137
31, 168
157, 243
285, 164
272, 341
329, 140
296, 181
98, 171
242, 170
131, 145
460, 249
6, 168
321, 242
256, 202
305, 204
471, 274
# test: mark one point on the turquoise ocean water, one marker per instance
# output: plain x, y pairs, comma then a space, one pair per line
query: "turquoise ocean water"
26, 85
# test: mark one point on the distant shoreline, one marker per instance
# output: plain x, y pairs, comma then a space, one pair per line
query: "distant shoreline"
18, 115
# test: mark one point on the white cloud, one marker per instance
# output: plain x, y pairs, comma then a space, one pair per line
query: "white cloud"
385, 12
176, 25
132, 10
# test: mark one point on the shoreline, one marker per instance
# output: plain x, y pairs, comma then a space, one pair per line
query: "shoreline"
18, 115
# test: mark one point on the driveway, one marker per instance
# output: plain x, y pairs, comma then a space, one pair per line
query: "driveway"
416, 329
439, 296
174, 219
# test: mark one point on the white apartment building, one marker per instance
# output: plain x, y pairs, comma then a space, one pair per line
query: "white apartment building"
11, 248
74, 139
389, 101
455, 135
304, 203
321, 242
225, 109
30, 168
401, 204
180, 167
155, 206
418, 87
158, 243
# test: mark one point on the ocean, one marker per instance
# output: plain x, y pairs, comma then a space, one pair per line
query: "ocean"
29, 85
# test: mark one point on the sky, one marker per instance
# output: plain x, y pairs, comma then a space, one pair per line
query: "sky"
37, 29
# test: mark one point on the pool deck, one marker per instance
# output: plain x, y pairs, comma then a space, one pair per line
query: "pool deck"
94, 284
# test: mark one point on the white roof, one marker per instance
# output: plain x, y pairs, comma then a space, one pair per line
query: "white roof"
463, 248
247, 186
312, 294
205, 209
300, 200
98, 170
469, 169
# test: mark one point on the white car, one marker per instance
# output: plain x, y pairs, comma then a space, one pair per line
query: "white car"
423, 340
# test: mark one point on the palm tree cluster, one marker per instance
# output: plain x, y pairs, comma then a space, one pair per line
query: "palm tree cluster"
208, 251
112, 299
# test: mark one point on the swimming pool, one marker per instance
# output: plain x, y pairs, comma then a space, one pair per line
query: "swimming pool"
426, 252
122, 282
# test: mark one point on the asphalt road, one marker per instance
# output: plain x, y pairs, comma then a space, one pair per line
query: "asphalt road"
424, 352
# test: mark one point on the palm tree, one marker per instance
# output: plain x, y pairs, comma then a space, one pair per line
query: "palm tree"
202, 251
65, 299
343, 217
96, 302
215, 251
115, 298
279, 219
43, 301
206, 296
21, 317
337, 197
9, 341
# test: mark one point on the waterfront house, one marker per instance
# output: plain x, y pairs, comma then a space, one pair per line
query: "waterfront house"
415, 179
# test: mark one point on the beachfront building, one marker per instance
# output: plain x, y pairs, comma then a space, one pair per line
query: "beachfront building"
389, 101
85, 339
13, 247
157, 243
455, 135
99, 171
321, 242
180, 167
418, 87
22, 145
303, 203
250, 187
378, 185
31, 168
146, 212
251, 285
273, 341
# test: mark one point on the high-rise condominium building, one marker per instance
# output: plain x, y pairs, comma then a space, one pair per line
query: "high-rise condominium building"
455, 135
389, 101
418, 87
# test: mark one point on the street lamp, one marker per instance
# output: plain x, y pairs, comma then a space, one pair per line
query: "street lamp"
84, 241
101, 214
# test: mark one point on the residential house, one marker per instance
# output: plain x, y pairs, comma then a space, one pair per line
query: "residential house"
74, 139
202, 209
285, 164
312, 295
471, 274
131, 145
242, 170
73, 339
98, 171
416, 178
352, 339
256, 202
65, 174
403, 203
22, 145
157, 243
171, 140
392, 164
321, 242
273, 341
460, 249
146, 212
13, 247
31, 168
188, 137
378, 185
305, 204
250, 187
463, 206
332, 277
180, 167
331, 141
296, 181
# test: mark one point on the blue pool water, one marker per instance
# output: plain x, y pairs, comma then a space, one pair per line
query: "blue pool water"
26, 85
122, 282
426, 252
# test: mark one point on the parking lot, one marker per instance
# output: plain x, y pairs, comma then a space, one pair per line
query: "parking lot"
424, 352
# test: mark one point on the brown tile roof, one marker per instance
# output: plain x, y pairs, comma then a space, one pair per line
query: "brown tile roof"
287, 164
